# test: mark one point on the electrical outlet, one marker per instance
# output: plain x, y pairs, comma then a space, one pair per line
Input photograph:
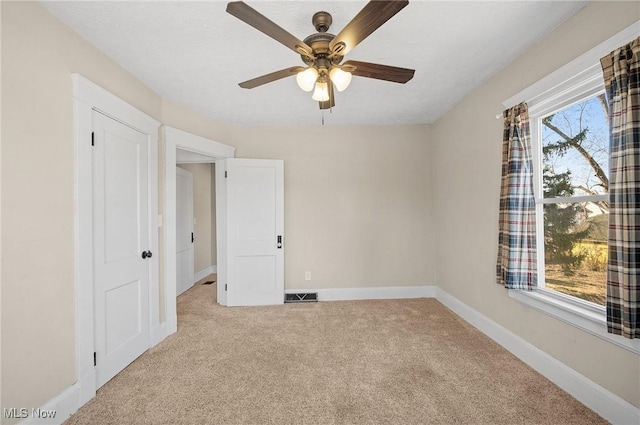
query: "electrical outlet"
307, 275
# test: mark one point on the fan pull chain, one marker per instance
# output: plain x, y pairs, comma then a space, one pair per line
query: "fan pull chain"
330, 111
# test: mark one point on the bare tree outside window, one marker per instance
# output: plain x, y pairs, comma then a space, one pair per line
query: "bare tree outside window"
575, 152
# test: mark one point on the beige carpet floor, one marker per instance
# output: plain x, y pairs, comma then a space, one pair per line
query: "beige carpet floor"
355, 362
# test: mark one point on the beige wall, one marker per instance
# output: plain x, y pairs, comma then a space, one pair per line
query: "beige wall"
39, 54
179, 116
360, 202
357, 209
204, 234
356, 219
466, 160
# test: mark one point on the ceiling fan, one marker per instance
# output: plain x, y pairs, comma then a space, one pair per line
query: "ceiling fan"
323, 52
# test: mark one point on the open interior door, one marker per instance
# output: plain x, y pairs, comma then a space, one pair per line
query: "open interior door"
254, 231
184, 231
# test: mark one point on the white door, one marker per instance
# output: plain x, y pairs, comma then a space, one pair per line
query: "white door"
184, 230
255, 226
121, 234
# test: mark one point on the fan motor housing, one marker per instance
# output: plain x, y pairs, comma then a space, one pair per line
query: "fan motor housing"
319, 42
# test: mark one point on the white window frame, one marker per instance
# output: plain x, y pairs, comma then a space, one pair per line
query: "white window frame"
579, 92
577, 80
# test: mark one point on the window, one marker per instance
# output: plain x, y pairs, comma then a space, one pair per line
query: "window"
569, 134
571, 186
570, 141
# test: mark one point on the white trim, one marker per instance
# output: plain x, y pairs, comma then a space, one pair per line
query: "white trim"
599, 399
204, 273
370, 293
86, 387
577, 80
202, 145
83, 225
178, 139
158, 333
89, 97
156, 328
589, 318
572, 199
221, 229
64, 404
602, 401
585, 63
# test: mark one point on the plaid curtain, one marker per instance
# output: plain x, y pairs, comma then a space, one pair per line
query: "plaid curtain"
622, 81
517, 268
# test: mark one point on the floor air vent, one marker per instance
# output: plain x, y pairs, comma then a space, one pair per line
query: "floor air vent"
301, 297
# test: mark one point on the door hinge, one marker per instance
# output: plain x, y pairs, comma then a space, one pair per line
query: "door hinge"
95, 361
93, 141
192, 237
225, 174
225, 286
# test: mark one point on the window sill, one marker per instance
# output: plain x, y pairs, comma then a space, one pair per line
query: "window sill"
585, 316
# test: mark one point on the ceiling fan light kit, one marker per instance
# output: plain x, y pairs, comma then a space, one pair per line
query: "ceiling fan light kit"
323, 52
321, 92
307, 79
340, 78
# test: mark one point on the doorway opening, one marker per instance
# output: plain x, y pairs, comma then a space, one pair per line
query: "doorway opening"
183, 147
196, 221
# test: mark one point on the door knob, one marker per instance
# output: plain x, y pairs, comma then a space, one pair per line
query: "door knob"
146, 254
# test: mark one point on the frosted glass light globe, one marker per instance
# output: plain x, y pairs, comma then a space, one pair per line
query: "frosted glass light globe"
321, 93
340, 78
307, 79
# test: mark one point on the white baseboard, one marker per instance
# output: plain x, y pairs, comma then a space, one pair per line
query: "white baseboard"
204, 273
602, 401
158, 333
87, 387
171, 326
61, 407
370, 293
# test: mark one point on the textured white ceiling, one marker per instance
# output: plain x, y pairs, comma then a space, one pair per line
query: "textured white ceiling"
196, 54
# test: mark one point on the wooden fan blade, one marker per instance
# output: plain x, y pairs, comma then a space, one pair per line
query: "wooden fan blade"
268, 78
369, 19
263, 24
332, 100
381, 72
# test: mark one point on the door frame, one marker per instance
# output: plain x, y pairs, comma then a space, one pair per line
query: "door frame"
177, 139
87, 98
